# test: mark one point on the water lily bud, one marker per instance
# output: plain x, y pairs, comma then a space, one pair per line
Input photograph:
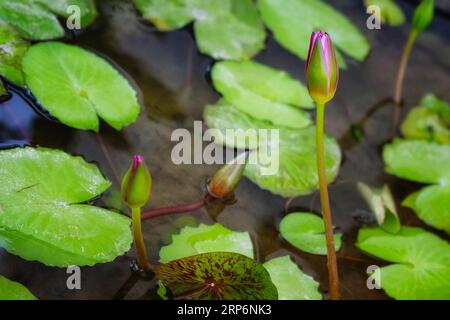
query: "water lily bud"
322, 70
423, 15
226, 178
137, 184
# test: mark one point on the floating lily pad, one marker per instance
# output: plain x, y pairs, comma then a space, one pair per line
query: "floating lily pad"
38, 19
382, 205
429, 121
11, 290
78, 87
206, 238
306, 231
432, 205
42, 212
293, 21
224, 29
416, 160
291, 282
12, 49
217, 276
263, 92
421, 262
390, 11
297, 167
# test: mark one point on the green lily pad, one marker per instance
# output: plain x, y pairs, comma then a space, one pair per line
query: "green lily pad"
204, 238
432, 205
293, 21
382, 205
11, 290
421, 262
263, 92
391, 13
429, 121
38, 19
291, 282
417, 160
77, 87
12, 49
42, 212
306, 232
224, 29
217, 276
297, 167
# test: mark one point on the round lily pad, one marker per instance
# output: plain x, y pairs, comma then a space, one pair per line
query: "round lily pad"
263, 93
11, 290
77, 87
306, 231
420, 268
206, 238
43, 215
217, 276
291, 282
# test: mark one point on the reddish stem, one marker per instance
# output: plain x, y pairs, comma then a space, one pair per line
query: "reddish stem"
158, 212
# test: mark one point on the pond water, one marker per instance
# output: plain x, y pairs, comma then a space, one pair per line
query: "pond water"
174, 88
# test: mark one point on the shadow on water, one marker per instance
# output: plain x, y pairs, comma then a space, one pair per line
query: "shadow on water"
170, 74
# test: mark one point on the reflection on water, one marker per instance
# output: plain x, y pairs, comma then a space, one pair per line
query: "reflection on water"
172, 77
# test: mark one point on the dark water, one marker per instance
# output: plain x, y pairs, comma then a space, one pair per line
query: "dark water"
174, 87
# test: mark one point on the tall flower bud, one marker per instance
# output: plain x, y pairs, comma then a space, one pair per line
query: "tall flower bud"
423, 15
322, 70
137, 184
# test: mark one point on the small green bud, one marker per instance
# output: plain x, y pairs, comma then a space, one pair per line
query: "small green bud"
137, 184
423, 15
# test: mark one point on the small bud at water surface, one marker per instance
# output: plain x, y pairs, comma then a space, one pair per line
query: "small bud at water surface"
226, 178
137, 184
322, 70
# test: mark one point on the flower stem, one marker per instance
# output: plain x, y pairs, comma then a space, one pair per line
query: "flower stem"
401, 74
158, 212
142, 259
325, 203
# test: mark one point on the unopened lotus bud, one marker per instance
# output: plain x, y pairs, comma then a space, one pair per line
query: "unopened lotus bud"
423, 15
322, 70
226, 179
137, 184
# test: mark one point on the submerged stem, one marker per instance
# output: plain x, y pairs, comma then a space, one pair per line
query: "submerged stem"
141, 250
401, 74
325, 204
158, 212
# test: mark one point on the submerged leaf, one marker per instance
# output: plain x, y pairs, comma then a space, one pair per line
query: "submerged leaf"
429, 121
78, 87
382, 205
37, 19
224, 29
11, 290
432, 205
263, 93
306, 231
217, 276
286, 167
42, 212
421, 262
12, 49
293, 21
416, 160
390, 11
204, 238
291, 282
